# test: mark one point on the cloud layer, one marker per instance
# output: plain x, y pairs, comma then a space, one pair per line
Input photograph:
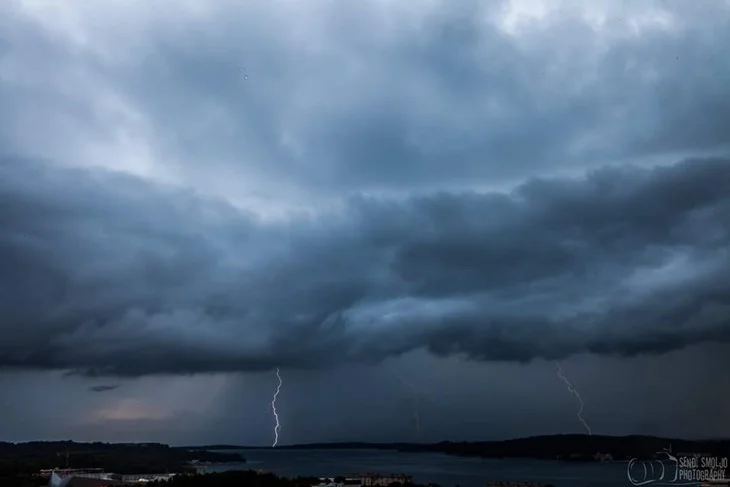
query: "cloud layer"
375, 97
110, 274
458, 186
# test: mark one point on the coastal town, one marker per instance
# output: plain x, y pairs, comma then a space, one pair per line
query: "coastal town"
68, 464
96, 477
99, 478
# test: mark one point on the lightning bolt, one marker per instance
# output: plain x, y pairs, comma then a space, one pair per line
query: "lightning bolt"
417, 418
416, 412
277, 425
559, 371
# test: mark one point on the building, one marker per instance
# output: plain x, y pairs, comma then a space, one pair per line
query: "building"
89, 482
603, 457
339, 482
65, 472
96, 478
155, 477
328, 482
373, 479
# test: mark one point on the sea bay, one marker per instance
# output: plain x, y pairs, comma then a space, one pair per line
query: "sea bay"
445, 470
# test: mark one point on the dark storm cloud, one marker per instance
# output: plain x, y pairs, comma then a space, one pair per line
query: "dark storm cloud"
451, 99
103, 388
113, 275
461, 102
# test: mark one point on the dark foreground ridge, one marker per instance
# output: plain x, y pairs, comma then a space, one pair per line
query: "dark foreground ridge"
252, 478
550, 447
27, 459
236, 478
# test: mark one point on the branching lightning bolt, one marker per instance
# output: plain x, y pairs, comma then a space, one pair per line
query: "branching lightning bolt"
576, 394
277, 425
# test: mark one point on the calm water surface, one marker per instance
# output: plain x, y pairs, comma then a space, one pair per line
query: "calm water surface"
445, 470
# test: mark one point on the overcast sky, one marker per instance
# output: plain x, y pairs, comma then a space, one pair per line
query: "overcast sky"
416, 210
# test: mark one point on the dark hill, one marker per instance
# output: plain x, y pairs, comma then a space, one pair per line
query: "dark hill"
569, 447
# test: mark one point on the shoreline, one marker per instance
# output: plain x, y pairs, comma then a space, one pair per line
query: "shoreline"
564, 448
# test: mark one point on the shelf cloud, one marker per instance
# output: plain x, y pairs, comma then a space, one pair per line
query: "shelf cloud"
110, 274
